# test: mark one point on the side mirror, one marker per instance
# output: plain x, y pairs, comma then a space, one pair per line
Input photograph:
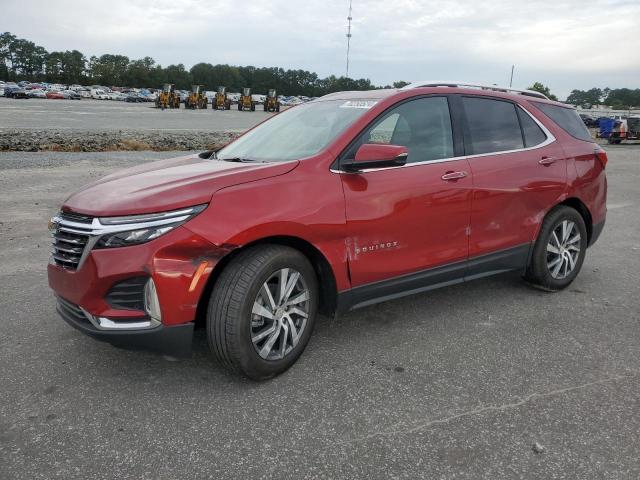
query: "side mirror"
374, 155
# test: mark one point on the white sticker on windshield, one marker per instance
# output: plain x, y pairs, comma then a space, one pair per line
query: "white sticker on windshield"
358, 104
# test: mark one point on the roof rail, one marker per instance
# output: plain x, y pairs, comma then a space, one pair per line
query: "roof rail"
495, 88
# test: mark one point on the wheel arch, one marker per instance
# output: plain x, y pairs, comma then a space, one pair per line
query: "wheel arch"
322, 267
583, 210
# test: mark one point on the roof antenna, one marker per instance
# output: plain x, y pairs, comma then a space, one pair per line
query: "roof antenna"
511, 80
348, 36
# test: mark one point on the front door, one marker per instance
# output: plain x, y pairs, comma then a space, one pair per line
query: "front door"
408, 219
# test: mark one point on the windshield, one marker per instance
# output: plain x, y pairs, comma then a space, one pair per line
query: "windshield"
297, 133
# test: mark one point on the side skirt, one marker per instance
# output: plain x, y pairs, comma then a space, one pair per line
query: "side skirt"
511, 259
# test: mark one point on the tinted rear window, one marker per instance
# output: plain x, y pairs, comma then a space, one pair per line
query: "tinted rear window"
567, 119
493, 125
533, 134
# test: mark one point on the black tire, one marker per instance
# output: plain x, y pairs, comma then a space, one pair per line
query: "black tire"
538, 272
229, 313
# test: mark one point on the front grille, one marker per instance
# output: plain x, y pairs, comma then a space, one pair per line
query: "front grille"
70, 237
128, 294
76, 217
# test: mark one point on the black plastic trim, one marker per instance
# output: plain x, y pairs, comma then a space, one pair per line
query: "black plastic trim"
174, 340
595, 232
507, 260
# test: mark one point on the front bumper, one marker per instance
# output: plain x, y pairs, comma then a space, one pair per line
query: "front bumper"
179, 263
175, 340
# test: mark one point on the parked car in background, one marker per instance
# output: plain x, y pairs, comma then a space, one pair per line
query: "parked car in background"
15, 91
71, 95
54, 95
589, 121
134, 98
37, 93
98, 94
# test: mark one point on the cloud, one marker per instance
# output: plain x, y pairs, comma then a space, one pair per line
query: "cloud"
563, 43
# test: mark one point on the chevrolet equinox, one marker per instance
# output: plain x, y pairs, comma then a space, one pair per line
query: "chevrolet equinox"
338, 203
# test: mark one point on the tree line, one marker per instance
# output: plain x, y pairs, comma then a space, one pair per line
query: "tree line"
617, 98
22, 59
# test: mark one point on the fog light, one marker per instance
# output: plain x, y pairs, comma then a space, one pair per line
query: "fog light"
151, 301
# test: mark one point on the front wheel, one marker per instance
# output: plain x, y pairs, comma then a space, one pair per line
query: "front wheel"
559, 251
262, 311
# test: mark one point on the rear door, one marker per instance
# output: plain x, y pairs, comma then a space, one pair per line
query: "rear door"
519, 172
406, 219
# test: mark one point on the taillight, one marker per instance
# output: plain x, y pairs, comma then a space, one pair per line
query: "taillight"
601, 155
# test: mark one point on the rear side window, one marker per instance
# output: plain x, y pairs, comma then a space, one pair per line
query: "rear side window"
533, 134
567, 119
493, 125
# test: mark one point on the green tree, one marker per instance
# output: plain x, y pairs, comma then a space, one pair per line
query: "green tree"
7, 69
28, 59
179, 76
400, 84
108, 69
623, 98
585, 97
539, 87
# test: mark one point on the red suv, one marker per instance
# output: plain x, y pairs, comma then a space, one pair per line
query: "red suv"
342, 202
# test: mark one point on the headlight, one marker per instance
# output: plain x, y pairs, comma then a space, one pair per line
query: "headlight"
136, 229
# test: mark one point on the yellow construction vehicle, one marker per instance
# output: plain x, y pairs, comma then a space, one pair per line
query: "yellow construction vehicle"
246, 101
271, 103
196, 98
168, 98
221, 102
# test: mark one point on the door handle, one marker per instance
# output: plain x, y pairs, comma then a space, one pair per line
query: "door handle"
546, 161
454, 175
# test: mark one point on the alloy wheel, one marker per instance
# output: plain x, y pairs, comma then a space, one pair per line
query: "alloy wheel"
563, 249
279, 314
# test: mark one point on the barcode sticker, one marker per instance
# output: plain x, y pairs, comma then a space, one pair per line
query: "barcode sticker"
358, 104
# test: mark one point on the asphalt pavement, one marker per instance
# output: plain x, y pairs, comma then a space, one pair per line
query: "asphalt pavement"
88, 114
491, 379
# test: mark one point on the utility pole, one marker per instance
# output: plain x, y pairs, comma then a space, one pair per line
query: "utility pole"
349, 18
511, 80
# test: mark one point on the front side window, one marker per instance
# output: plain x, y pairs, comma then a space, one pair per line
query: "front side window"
422, 125
492, 125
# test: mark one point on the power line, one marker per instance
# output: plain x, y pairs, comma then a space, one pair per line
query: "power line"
349, 18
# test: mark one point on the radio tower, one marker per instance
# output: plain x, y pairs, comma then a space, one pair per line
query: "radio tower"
349, 18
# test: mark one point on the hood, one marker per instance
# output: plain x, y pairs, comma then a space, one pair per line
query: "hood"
166, 185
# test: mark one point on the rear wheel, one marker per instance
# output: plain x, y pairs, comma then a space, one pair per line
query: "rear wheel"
559, 251
262, 311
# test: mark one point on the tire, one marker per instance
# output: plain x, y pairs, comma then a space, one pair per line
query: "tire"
554, 270
237, 336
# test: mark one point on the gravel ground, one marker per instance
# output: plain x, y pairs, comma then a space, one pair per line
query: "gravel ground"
94, 125
491, 379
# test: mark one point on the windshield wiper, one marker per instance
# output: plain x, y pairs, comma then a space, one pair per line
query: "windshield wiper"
238, 159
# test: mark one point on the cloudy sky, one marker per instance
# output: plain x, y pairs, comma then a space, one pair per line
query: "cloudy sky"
565, 44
